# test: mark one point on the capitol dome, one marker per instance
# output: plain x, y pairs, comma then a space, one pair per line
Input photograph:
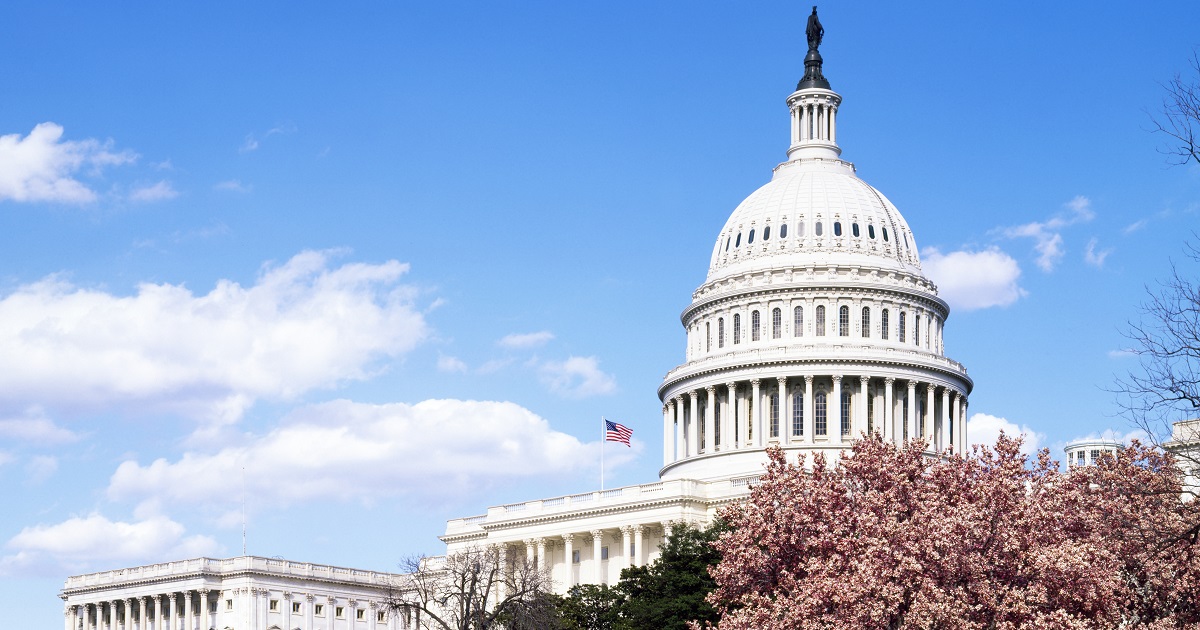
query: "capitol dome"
815, 325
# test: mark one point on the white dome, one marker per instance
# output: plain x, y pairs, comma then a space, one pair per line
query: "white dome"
777, 225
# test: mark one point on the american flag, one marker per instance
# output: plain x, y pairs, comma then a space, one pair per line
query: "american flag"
614, 432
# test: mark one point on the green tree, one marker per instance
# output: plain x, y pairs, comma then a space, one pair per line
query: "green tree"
590, 607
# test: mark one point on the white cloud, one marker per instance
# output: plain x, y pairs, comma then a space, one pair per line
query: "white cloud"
160, 191
1047, 237
88, 542
249, 145
43, 167
577, 377
33, 426
450, 364
973, 280
1123, 353
525, 340
1135, 226
232, 185
41, 468
358, 451
1093, 257
252, 143
302, 325
984, 429
1113, 434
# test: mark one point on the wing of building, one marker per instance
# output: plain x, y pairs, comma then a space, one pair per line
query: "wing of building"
814, 326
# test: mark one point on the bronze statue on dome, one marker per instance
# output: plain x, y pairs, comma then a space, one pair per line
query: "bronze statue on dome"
814, 31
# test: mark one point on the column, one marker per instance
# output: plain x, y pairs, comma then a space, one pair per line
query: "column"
598, 568
69, 618
351, 615
638, 552
373, 613
834, 411
684, 431
889, 411
944, 430
530, 551
693, 422
680, 449
962, 423
128, 603
728, 418
929, 414
308, 611
502, 563
809, 407
112, 615
205, 613
87, 617
143, 604
956, 436
542, 563
189, 623
330, 608
709, 412
668, 437
626, 543
912, 410
863, 392
785, 412
287, 611
756, 411
833, 124
569, 549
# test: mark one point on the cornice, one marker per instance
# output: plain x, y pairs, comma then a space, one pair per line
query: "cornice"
928, 300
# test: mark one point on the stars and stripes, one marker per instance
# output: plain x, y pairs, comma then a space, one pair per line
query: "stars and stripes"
616, 432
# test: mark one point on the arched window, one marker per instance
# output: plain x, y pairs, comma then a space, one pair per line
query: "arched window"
846, 400
870, 411
737, 328
721, 332
783, 231
751, 239
754, 326
708, 336
904, 415
776, 323
883, 324
871, 231
885, 237
800, 229
767, 233
820, 321
901, 326
738, 243
844, 321
837, 228
774, 415
820, 418
866, 321
727, 240
798, 414
921, 415
798, 322
928, 330
818, 229
854, 229
717, 423
917, 330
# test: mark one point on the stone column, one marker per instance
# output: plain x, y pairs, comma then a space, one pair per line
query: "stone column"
598, 569
540, 544
889, 411
189, 621
638, 552
87, 617
112, 614
69, 618
173, 612
833, 124
944, 433
128, 604
729, 418
330, 609
308, 611
351, 614
756, 408
373, 613
930, 414
962, 422
530, 551
668, 437
785, 412
287, 611
680, 449
912, 410
833, 411
863, 392
710, 408
626, 543
956, 437
569, 550
684, 430
143, 604
809, 419
693, 422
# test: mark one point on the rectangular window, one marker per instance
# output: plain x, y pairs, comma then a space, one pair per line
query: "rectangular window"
883, 322
774, 415
776, 323
870, 412
295, 607
632, 550
798, 322
754, 326
721, 332
1095, 456
866, 322
916, 330
604, 553
846, 399
821, 427
575, 556
707, 337
737, 328
229, 604
381, 617
844, 321
820, 321
360, 614
274, 607
798, 414
339, 612
1080, 458
319, 609
901, 327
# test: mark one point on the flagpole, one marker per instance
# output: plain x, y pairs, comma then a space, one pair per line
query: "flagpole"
603, 439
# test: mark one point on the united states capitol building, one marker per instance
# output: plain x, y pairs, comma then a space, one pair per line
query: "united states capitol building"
814, 325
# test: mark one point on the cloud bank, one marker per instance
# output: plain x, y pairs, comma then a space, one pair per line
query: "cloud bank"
974, 280
44, 167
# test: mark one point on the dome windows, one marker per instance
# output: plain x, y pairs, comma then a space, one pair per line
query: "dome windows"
854, 230
751, 239
798, 414
866, 322
767, 233
776, 323
837, 228
800, 229
820, 321
817, 230
798, 322
755, 326
916, 331
871, 231
901, 337
727, 240
783, 231
885, 236
737, 328
844, 321
821, 424
720, 332
883, 323
738, 243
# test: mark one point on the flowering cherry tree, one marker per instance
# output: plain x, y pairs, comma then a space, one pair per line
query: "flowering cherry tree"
890, 538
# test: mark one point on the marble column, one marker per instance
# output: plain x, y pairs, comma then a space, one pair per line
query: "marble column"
540, 545
809, 405
956, 437
373, 614
626, 544
756, 411
962, 423
530, 551
684, 429
638, 552
710, 407
308, 611
287, 610
668, 437
930, 414
569, 553
112, 615
189, 621
128, 604
833, 411
693, 423
729, 418
889, 411
680, 449
598, 566
330, 609
863, 392
912, 410
944, 432
785, 412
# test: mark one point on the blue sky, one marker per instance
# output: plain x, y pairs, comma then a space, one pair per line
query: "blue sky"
394, 260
